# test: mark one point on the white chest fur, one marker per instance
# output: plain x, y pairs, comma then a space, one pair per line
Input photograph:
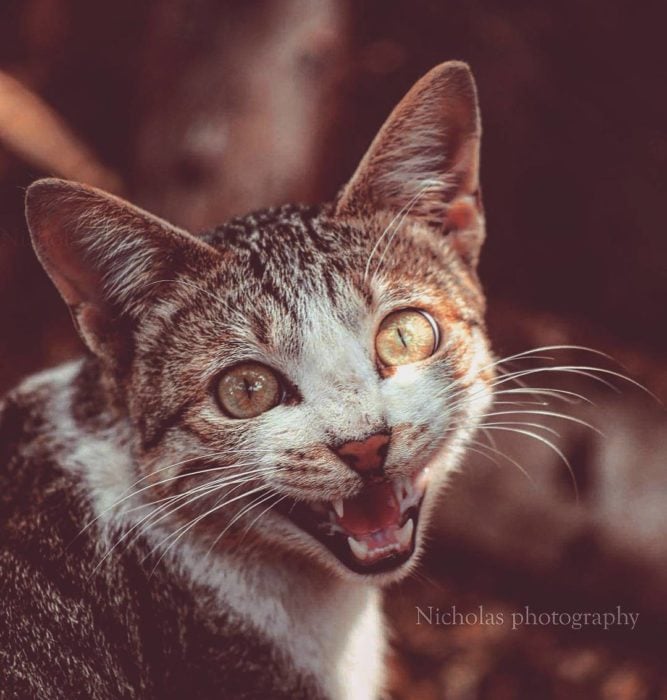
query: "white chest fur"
329, 629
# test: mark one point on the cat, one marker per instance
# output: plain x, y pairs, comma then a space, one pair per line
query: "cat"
209, 503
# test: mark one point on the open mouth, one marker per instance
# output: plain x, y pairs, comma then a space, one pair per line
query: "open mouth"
372, 532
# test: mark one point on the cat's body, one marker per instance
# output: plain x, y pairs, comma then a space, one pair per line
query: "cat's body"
206, 506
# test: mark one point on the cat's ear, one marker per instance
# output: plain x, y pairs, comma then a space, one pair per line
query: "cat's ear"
424, 163
107, 258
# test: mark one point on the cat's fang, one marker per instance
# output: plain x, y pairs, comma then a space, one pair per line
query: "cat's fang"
422, 480
339, 508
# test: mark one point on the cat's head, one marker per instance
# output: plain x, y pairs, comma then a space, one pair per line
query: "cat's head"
303, 377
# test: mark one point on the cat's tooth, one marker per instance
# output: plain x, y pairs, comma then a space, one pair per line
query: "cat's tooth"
339, 508
422, 480
359, 549
404, 535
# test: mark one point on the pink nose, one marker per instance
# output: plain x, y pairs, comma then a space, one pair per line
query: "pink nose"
367, 455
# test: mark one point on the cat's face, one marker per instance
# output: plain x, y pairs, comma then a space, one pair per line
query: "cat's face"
304, 378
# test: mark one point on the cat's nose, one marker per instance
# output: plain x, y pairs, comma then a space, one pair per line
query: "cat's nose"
365, 456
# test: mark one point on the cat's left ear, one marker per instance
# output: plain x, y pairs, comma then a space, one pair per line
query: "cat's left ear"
423, 165
109, 259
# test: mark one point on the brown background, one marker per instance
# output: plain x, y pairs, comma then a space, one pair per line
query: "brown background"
202, 109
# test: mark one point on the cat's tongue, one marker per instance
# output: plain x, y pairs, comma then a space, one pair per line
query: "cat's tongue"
375, 508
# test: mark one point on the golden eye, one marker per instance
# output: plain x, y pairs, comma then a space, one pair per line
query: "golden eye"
248, 389
406, 336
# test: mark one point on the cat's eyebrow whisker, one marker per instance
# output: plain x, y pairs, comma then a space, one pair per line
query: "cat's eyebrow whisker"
429, 184
548, 443
399, 217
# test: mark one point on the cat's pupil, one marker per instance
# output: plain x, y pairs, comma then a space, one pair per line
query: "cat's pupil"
400, 335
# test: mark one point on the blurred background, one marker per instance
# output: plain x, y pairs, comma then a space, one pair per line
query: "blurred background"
203, 109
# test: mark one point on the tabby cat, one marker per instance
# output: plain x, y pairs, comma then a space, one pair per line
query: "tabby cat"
209, 502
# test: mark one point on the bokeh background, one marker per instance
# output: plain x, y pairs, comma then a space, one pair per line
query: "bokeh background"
202, 109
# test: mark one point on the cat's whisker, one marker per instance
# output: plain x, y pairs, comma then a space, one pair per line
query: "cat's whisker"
552, 414
489, 437
240, 514
472, 447
218, 504
548, 443
583, 371
526, 354
511, 460
579, 370
537, 426
127, 494
202, 456
266, 510
166, 510
211, 487
184, 529
187, 497
565, 395
246, 476
256, 503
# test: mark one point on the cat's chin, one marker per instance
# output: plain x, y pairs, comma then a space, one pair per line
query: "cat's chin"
373, 532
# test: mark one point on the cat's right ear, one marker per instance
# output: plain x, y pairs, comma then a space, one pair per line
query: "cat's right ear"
107, 258
423, 165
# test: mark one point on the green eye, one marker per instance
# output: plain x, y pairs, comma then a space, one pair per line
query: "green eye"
406, 336
248, 390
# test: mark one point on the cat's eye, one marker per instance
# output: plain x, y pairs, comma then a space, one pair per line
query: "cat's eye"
406, 336
248, 389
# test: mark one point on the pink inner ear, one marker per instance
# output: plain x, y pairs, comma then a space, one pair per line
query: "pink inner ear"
76, 281
461, 214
